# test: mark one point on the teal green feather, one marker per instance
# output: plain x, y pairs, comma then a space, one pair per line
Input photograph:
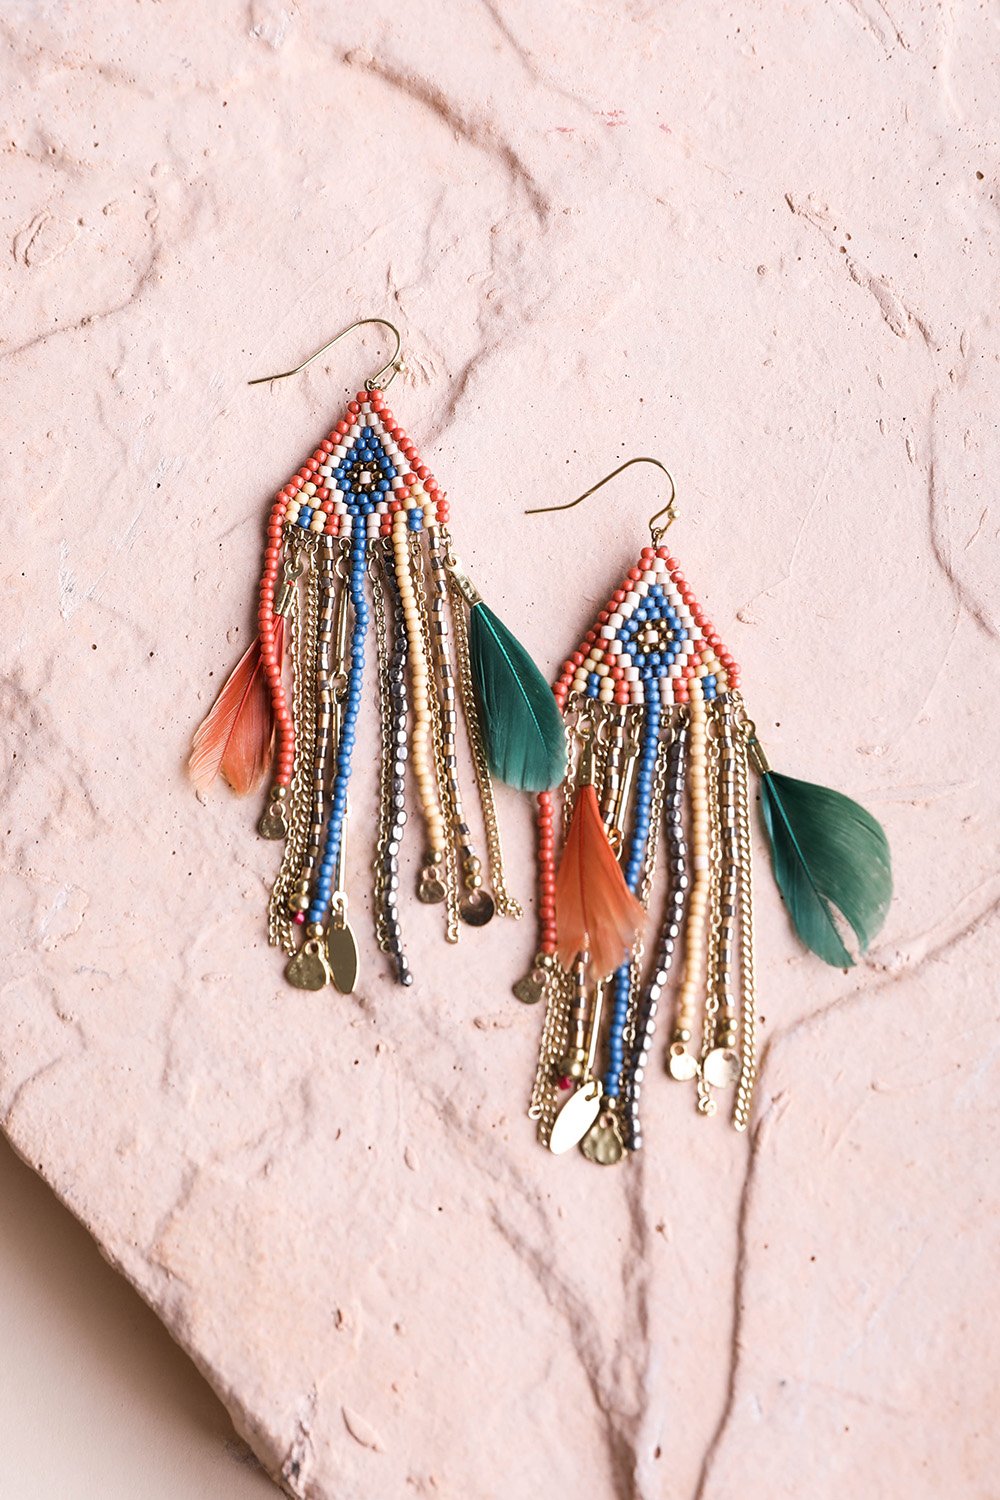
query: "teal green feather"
522, 727
828, 854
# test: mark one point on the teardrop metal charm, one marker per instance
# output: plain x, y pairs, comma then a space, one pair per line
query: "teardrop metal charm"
576, 1117
308, 970
531, 988
272, 823
342, 955
603, 1142
430, 887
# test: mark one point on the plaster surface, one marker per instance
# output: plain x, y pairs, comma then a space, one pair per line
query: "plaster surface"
757, 241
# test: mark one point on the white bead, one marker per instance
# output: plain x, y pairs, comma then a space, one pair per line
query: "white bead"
632, 600
318, 522
631, 674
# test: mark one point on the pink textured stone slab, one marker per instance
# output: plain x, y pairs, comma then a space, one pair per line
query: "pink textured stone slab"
759, 243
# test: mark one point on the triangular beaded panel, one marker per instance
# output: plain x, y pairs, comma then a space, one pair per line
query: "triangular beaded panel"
653, 637
362, 474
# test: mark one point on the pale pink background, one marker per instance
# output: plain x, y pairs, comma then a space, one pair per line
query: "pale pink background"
757, 241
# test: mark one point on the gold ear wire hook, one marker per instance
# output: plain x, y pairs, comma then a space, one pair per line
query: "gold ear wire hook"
669, 510
375, 383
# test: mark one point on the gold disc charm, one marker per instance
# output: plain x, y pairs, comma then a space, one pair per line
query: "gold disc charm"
681, 1064
476, 908
721, 1067
342, 955
576, 1117
603, 1142
309, 970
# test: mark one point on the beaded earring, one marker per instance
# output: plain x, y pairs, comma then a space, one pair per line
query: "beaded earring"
359, 536
661, 753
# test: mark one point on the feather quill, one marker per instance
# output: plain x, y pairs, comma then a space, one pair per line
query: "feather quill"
828, 854
236, 738
596, 912
522, 727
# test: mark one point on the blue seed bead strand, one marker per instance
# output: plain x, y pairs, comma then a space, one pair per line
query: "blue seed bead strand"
348, 731
622, 983
644, 792
621, 989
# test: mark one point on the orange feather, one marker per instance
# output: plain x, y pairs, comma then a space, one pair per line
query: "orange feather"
237, 737
596, 912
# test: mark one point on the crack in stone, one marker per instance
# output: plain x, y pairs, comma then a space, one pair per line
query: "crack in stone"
965, 600
896, 313
525, 58
877, 29
143, 279
761, 1133
617, 1427
898, 317
620, 1426
481, 133
739, 1271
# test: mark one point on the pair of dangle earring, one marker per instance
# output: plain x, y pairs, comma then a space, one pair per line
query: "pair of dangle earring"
649, 708
358, 543
660, 766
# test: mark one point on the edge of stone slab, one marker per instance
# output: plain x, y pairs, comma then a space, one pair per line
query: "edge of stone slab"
244, 1424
